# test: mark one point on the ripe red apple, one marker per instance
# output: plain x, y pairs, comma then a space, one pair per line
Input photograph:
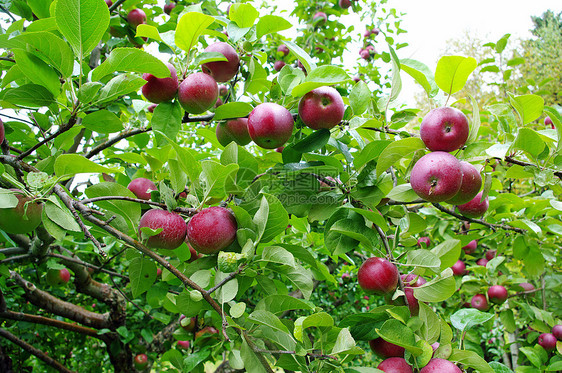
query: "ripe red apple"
321, 108
278, 65
459, 268
424, 240
319, 18
384, 349
470, 185
198, 93
218, 103
222, 71
444, 129
206, 332
497, 294
475, 208
233, 130
548, 122
223, 90
490, 254
194, 254
377, 276
283, 50
482, 262
109, 3
2, 132
158, 272
395, 365
151, 108
23, 218
211, 230
158, 90
412, 281
141, 188
436, 177
527, 286
364, 54
440, 366
188, 324
557, 331
479, 302
279, 149
140, 361
270, 125
168, 7
184, 345
173, 229
470, 248
56, 277
547, 341
344, 4
136, 17
356, 78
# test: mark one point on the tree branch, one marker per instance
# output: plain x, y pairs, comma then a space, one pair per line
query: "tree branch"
62, 129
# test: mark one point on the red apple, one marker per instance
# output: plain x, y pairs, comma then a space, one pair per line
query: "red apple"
470, 185
158, 90
168, 7
211, 230
470, 248
490, 254
548, 122
482, 262
557, 331
233, 130
395, 365
194, 254
475, 208
377, 276
459, 268
136, 17
321, 108
173, 229
141, 188
356, 78
440, 366
198, 93
424, 240
223, 90
384, 349
151, 108
109, 3
140, 361
222, 71
547, 341
270, 125
56, 277
283, 50
188, 324
344, 4
206, 332
436, 177
23, 218
279, 149
444, 129
412, 281
278, 65
364, 54
479, 302
158, 272
497, 294
319, 18
218, 103
184, 345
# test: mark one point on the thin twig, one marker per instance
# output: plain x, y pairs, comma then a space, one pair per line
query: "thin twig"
129, 300
86, 264
226, 279
182, 210
62, 129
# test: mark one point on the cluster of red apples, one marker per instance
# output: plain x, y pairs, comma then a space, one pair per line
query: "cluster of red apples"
439, 176
207, 232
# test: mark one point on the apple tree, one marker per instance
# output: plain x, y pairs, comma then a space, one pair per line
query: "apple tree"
229, 187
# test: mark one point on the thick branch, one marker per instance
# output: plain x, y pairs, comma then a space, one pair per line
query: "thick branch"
34, 351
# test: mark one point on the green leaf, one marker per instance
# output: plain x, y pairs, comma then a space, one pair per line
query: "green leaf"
268, 319
448, 252
269, 24
251, 362
402, 193
345, 344
320, 76
471, 359
302, 56
68, 165
208, 57
82, 23
142, 273
424, 259
299, 277
277, 254
277, 218
452, 72
60, 215
421, 74
228, 291
499, 367
396, 151
466, 318
360, 98
131, 60
321, 319
190, 26
214, 176
7, 199
128, 209
528, 141
280, 303
529, 107
48, 47
31, 95
438, 289
396, 332
431, 324
167, 119
102, 121
243, 14
119, 86
232, 110
475, 124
